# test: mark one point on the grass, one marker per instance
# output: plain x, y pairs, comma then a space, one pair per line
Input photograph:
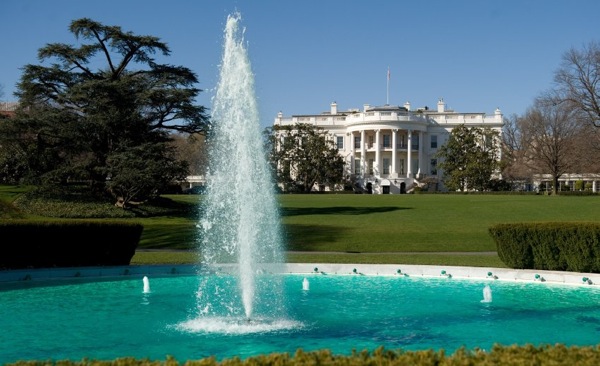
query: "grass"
436, 229
418, 223
470, 260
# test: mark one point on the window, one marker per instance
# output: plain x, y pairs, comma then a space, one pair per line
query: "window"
402, 143
402, 166
371, 166
415, 142
370, 141
357, 167
340, 142
386, 141
434, 141
386, 166
357, 142
433, 166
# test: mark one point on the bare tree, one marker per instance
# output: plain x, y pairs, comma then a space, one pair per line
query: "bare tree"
193, 149
514, 164
588, 142
578, 81
550, 136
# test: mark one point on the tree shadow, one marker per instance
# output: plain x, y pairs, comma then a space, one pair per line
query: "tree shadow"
310, 237
341, 210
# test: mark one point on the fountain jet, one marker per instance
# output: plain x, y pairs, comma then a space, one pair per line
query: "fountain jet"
146, 283
487, 294
240, 223
305, 284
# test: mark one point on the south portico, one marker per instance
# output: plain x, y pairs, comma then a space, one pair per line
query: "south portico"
391, 149
387, 155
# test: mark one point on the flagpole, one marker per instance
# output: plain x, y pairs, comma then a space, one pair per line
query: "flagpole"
387, 100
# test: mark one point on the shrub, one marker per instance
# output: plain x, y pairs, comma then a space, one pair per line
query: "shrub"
550, 246
556, 355
76, 243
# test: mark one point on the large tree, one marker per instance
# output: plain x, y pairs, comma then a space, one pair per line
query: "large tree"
551, 136
469, 159
578, 81
303, 156
513, 164
143, 171
99, 102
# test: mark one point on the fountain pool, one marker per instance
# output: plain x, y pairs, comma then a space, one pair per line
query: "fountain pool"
118, 317
248, 311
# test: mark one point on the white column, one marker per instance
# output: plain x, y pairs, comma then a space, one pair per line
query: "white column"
350, 138
377, 154
594, 186
420, 153
394, 169
348, 156
363, 161
409, 155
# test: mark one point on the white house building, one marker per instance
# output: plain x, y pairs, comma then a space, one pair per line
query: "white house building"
388, 149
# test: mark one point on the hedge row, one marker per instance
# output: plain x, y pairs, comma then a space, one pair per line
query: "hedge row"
73, 243
499, 355
571, 246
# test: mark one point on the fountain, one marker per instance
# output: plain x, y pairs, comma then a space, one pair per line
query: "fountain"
487, 294
146, 283
240, 224
238, 298
305, 284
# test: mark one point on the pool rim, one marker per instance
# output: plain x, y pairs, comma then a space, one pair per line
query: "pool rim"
433, 271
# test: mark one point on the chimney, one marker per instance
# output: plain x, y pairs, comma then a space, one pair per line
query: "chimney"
333, 108
441, 106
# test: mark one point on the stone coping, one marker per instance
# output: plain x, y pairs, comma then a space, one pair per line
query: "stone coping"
450, 272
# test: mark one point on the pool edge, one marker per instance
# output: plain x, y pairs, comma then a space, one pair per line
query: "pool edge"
406, 270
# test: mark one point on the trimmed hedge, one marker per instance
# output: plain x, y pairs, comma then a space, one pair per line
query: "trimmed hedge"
569, 246
74, 243
556, 355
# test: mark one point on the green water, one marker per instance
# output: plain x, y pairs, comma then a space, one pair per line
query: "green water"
109, 319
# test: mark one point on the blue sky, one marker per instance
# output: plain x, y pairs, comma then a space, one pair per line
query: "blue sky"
476, 54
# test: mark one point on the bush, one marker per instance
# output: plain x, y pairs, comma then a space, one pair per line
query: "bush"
556, 355
8, 211
512, 245
81, 243
550, 246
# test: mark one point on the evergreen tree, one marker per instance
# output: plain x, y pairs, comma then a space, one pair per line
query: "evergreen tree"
97, 103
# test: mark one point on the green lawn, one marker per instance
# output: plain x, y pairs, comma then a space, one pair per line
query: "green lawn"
418, 223
349, 228
391, 228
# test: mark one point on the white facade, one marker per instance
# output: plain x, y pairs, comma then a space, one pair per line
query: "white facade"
375, 141
544, 182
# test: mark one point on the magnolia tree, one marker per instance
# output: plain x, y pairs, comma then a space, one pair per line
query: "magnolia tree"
303, 156
470, 159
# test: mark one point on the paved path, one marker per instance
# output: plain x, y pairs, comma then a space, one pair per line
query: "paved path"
403, 253
344, 253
